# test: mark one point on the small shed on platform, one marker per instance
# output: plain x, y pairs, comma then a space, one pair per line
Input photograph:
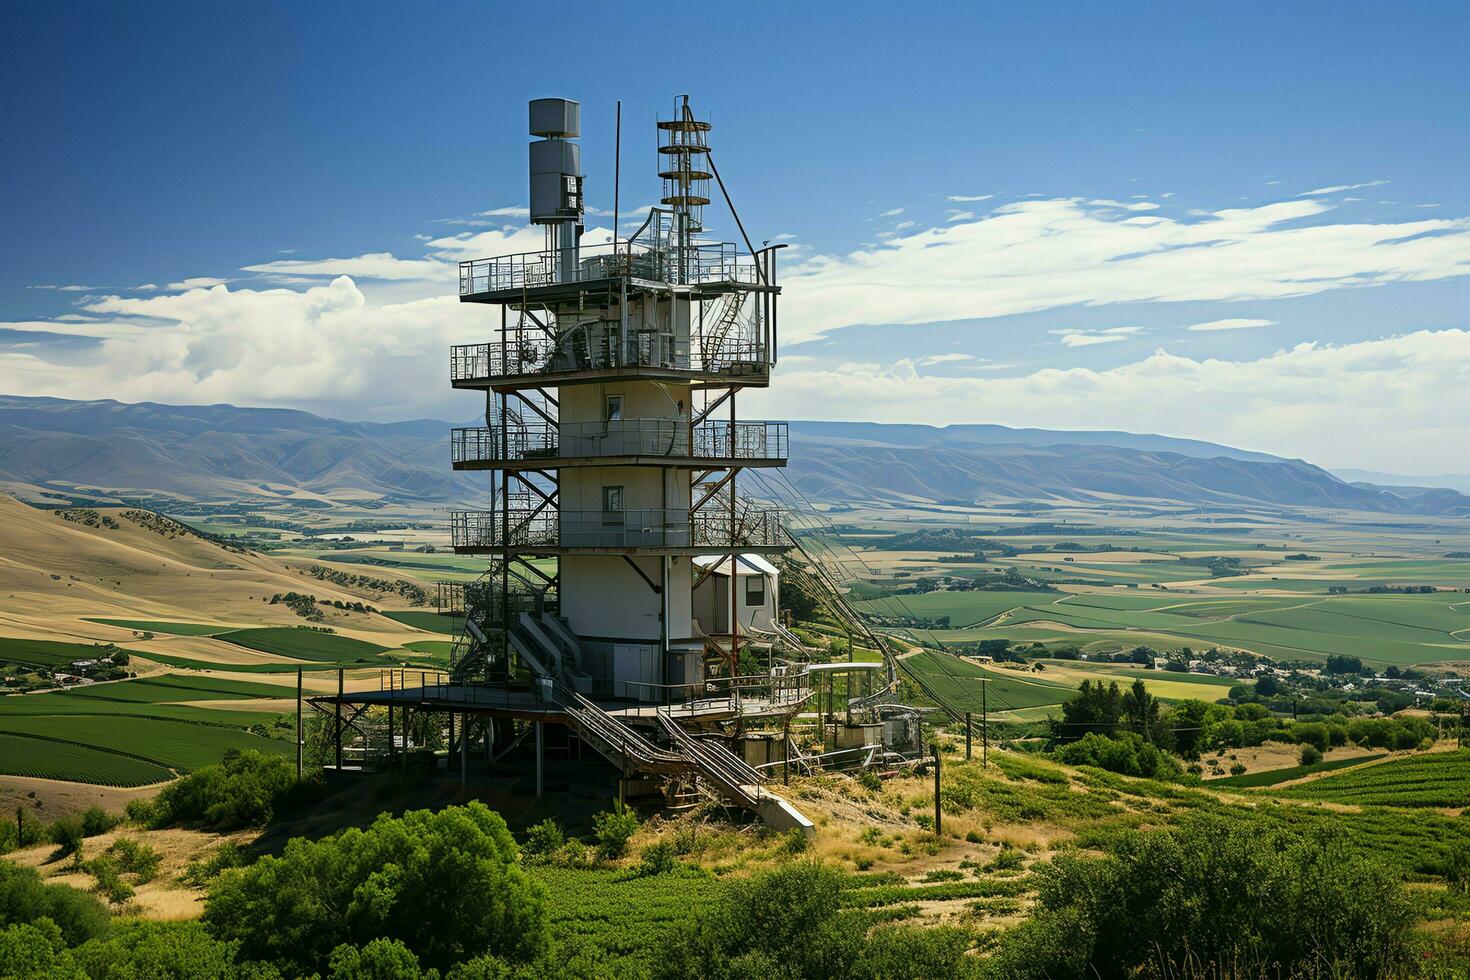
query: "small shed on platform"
757, 593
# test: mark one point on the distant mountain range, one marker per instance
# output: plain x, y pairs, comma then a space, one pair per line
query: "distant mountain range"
220, 452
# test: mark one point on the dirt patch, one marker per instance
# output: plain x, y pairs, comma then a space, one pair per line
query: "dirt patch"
48, 799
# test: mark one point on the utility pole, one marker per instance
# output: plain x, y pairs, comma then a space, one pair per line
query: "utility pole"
937, 827
969, 731
984, 726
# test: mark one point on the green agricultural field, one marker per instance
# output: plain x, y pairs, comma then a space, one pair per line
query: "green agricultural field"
48, 653
1440, 779
221, 688
71, 703
157, 626
966, 608
177, 745
957, 681
304, 644
45, 759
265, 667
1380, 629
429, 621
1274, 777
624, 915
177, 687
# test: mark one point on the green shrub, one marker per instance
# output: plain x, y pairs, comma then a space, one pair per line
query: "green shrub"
25, 898
446, 884
1231, 894
36, 949
381, 959
1009, 859
791, 923
243, 791
145, 950
109, 879
1125, 753
67, 833
141, 811
1310, 754
201, 871
543, 839
613, 829
135, 858
657, 859
98, 821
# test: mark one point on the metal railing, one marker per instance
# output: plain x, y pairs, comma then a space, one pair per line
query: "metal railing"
533, 441
753, 529
696, 265
527, 528
531, 357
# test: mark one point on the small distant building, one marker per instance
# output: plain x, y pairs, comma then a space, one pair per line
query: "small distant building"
757, 594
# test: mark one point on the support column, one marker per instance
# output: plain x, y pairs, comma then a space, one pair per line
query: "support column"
298, 724
540, 756
464, 752
337, 719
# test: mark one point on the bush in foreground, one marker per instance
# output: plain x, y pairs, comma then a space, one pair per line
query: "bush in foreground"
1125, 753
25, 898
1227, 894
791, 923
245, 790
446, 884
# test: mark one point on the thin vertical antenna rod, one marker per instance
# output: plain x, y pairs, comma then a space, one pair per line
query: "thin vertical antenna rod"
617, 170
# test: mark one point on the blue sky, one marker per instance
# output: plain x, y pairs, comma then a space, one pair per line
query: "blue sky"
998, 213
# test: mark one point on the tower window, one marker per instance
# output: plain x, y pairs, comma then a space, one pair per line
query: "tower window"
613, 408
612, 505
755, 590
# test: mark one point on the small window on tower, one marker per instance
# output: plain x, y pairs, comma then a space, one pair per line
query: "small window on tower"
755, 590
614, 408
612, 505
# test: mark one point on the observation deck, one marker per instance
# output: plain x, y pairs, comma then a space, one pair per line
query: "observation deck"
545, 362
551, 274
544, 531
626, 442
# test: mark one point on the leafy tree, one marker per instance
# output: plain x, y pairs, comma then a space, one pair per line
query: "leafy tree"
381, 959
25, 898
1141, 714
142, 949
446, 884
791, 923
1189, 720
1310, 754
36, 949
1341, 664
1126, 753
1094, 708
245, 790
1227, 894
1267, 685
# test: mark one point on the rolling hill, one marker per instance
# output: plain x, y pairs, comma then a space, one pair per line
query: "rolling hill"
224, 453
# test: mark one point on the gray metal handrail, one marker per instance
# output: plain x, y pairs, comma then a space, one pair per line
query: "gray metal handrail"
537, 440
702, 264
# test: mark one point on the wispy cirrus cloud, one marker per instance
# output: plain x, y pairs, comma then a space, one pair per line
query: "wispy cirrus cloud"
1088, 338
1237, 323
1339, 188
1043, 254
